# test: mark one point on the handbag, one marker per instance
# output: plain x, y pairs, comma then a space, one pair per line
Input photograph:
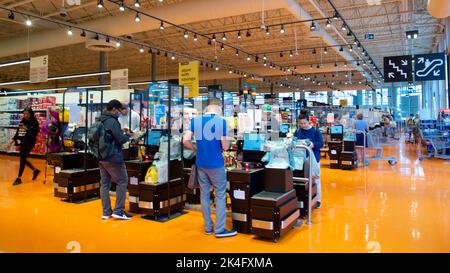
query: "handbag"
193, 179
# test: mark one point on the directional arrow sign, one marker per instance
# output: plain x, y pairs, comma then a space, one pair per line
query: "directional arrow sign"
429, 67
398, 69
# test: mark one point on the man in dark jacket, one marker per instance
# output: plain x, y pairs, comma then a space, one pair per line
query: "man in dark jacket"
112, 168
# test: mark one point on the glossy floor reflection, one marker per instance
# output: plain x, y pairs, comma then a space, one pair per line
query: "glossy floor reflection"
383, 208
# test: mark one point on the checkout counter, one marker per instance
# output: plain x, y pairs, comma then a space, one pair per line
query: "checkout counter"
263, 200
76, 175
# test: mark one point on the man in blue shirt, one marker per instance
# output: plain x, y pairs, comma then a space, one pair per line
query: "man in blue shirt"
210, 133
306, 131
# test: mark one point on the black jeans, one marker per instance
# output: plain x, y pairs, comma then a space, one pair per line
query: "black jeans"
24, 153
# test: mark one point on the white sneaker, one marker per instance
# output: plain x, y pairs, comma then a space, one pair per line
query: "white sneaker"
106, 217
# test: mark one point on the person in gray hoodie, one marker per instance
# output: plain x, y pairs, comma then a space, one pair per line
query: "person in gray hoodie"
112, 168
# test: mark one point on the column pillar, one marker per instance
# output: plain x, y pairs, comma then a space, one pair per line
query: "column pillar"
393, 99
302, 95
102, 66
374, 98
359, 98
153, 66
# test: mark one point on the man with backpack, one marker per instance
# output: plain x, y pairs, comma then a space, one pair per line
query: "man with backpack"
105, 141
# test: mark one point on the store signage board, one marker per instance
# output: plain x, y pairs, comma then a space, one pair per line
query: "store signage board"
39, 69
188, 76
160, 115
266, 108
398, 69
238, 194
134, 181
429, 67
119, 79
245, 123
369, 36
343, 102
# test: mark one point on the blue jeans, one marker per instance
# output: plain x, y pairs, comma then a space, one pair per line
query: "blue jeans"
116, 172
216, 178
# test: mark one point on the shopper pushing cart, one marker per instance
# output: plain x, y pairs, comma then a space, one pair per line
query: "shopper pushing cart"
361, 128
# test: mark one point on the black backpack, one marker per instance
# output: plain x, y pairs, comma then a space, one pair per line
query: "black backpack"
100, 142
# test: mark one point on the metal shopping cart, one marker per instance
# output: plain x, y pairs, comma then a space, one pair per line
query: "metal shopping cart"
435, 139
360, 146
376, 141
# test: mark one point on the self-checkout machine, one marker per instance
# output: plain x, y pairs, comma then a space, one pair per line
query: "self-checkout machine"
162, 197
77, 176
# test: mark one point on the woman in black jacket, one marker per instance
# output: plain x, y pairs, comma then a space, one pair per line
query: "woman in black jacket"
25, 137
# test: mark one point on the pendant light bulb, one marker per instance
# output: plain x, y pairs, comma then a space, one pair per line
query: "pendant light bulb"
137, 19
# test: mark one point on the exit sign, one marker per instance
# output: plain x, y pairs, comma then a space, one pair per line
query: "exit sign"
369, 36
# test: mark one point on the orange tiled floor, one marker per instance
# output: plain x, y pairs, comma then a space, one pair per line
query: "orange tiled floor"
402, 208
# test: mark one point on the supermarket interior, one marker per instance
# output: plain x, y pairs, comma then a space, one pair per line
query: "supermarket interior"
210, 126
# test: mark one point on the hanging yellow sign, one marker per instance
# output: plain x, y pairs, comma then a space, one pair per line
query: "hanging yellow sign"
343, 102
189, 78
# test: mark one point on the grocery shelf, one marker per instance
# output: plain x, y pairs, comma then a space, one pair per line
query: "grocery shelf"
9, 126
20, 111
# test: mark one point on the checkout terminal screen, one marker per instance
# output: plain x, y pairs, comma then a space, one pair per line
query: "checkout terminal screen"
153, 137
337, 130
253, 142
284, 128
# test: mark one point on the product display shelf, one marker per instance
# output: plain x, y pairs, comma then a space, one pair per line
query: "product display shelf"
20, 111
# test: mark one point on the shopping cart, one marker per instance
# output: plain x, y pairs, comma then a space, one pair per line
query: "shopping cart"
376, 141
360, 147
435, 137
